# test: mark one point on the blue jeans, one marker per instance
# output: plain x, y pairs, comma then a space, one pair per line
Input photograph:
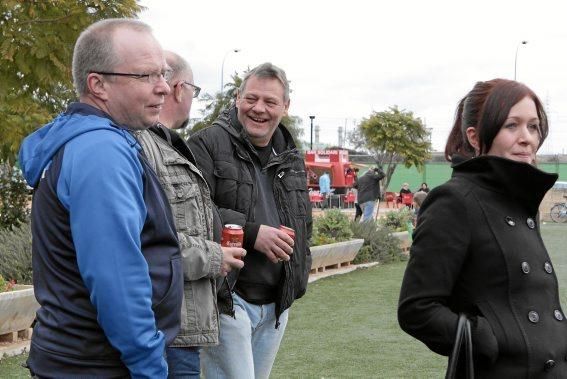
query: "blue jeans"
367, 210
248, 345
183, 362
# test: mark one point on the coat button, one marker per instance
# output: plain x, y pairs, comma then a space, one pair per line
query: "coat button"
533, 317
525, 267
549, 365
531, 223
558, 315
510, 221
548, 268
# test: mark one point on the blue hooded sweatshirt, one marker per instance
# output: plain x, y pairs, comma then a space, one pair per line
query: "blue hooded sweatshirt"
325, 184
106, 262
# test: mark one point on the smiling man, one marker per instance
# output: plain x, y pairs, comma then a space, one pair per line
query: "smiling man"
257, 179
106, 260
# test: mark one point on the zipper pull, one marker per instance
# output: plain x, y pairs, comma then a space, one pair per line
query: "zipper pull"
281, 174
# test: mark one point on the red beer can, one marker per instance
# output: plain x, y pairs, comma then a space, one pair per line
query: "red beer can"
232, 236
289, 231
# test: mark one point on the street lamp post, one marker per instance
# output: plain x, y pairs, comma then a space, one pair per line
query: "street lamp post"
222, 68
516, 58
311, 117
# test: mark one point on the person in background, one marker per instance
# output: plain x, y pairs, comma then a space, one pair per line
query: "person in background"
349, 177
358, 210
369, 191
189, 197
311, 177
418, 199
404, 190
477, 248
106, 260
423, 188
257, 178
325, 188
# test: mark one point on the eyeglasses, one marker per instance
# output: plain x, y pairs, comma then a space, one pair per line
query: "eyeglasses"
196, 89
153, 78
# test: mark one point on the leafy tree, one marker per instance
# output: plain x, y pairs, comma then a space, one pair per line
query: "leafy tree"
392, 137
215, 104
293, 124
35, 59
13, 197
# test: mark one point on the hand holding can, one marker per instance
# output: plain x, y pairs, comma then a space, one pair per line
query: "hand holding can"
289, 231
232, 236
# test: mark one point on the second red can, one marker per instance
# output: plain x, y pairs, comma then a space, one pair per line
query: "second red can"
289, 231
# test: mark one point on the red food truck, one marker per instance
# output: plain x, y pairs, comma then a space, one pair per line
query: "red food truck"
336, 163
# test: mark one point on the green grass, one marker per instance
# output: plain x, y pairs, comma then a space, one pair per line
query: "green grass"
11, 367
346, 327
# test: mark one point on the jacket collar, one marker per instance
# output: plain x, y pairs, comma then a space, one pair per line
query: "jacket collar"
282, 141
521, 181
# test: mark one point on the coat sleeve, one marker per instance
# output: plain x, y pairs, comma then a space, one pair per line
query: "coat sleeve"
205, 155
201, 258
438, 253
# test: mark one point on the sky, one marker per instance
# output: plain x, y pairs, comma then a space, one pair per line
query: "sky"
347, 59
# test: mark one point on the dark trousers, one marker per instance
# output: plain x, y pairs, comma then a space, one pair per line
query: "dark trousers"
358, 211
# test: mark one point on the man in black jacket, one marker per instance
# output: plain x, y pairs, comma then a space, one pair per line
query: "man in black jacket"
369, 191
257, 179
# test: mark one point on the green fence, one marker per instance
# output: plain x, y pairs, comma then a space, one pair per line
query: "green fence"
435, 174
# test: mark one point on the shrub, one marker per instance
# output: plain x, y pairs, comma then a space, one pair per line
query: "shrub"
379, 243
5, 285
397, 221
13, 197
16, 253
333, 226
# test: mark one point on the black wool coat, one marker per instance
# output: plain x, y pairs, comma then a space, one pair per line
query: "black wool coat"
477, 249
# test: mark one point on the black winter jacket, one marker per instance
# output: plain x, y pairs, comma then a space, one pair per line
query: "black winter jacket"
369, 185
477, 249
224, 154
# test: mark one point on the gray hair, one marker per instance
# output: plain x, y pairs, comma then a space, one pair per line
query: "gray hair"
179, 66
94, 49
267, 70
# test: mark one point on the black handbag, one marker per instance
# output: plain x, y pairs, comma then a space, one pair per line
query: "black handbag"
463, 336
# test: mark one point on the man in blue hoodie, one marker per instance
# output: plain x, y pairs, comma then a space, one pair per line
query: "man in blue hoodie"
325, 188
106, 261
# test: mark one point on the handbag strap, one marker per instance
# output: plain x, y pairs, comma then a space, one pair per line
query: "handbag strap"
463, 335
469, 349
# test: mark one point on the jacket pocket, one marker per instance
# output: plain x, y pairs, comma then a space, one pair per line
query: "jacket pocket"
503, 326
175, 287
167, 310
184, 200
295, 187
233, 187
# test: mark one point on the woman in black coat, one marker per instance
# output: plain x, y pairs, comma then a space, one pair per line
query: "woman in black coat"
477, 247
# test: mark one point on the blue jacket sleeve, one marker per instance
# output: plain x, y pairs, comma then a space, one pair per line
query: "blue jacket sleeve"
101, 185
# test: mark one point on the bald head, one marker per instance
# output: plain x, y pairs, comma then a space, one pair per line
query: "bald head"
175, 111
180, 67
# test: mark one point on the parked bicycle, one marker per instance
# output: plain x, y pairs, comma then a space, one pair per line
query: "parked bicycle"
558, 212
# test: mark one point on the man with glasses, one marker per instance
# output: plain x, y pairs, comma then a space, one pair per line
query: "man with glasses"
188, 193
257, 179
106, 260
